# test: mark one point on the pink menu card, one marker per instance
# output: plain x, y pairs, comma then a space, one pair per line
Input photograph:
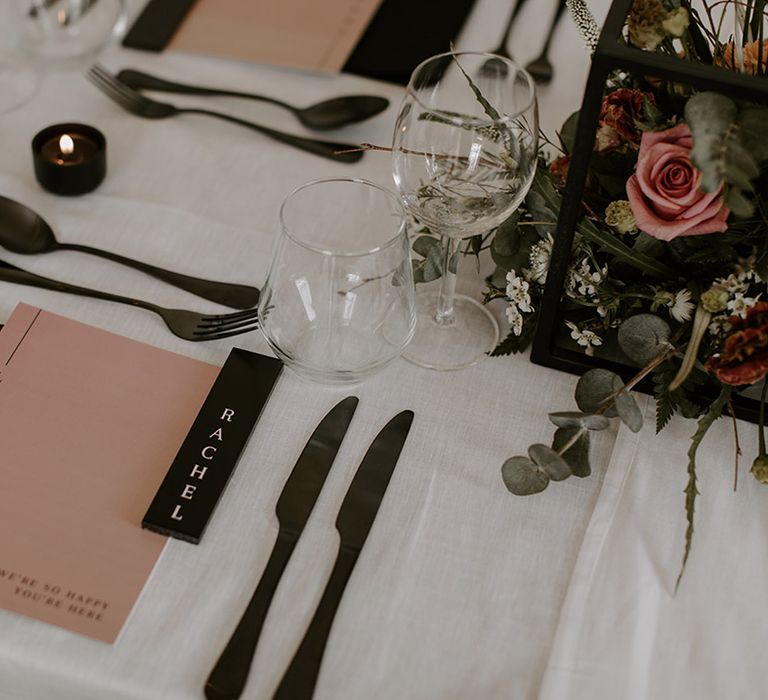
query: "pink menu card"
310, 34
89, 423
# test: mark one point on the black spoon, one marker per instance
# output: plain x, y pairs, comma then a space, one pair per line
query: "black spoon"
329, 114
25, 232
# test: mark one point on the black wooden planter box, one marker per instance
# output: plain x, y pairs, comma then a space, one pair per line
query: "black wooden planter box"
552, 346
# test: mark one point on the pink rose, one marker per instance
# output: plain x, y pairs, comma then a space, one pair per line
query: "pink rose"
664, 190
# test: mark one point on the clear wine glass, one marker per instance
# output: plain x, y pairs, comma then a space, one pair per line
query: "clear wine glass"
61, 34
464, 156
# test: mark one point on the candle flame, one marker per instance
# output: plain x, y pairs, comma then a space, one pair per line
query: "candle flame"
66, 144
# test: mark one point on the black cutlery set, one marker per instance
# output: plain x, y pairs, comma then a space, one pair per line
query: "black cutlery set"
330, 114
24, 232
294, 506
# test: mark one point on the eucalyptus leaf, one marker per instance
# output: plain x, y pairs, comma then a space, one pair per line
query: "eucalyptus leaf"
453, 263
511, 248
556, 467
739, 204
423, 245
577, 455
629, 412
499, 277
522, 477
644, 337
594, 387
752, 121
418, 271
476, 244
717, 148
541, 211
433, 265
574, 419
506, 240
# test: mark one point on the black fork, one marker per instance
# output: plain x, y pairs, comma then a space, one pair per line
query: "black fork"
188, 325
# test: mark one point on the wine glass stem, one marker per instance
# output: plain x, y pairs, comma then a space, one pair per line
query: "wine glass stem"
444, 315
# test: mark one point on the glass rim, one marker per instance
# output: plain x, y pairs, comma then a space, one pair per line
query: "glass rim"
451, 116
343, 254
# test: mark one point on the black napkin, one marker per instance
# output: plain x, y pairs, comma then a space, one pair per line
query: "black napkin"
401, 34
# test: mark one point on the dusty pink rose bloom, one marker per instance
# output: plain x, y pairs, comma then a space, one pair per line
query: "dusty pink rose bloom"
664, 190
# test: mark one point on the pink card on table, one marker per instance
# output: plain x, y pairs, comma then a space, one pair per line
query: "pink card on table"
89, 423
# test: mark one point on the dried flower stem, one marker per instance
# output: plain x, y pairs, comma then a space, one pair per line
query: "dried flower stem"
441, 156
738, 446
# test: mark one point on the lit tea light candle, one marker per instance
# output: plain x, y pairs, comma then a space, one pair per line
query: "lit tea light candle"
67, 148
69, 159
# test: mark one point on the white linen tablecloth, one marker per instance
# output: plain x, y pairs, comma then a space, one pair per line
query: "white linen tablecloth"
459, 592
623, 631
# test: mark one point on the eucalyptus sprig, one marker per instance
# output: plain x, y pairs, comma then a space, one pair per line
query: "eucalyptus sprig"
600, 394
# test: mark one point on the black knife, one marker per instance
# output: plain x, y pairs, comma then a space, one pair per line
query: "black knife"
354, 522
296, 501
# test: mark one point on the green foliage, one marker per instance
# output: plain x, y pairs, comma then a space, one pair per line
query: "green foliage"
728, 146
643, 337
517, 343
668, 403
594, 388
665, 404
511, 247
574, 419
577, 455
488, 108
430, 267
704, 424
604, 240
523, 477
567, 134
550, 461
629, 412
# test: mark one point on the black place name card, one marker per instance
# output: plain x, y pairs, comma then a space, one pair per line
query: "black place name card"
156, 24
199, 474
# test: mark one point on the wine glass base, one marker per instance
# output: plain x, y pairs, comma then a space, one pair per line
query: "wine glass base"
466, 342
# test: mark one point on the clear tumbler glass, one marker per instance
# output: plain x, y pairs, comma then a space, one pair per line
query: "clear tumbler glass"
338, 303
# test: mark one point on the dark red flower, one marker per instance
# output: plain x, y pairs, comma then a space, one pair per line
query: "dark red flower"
620, 113
744, 358
559, 169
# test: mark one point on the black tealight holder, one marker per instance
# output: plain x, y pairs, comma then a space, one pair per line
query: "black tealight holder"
551, 346
70, 159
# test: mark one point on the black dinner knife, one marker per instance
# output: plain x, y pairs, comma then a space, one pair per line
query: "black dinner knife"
229, 675
354, 522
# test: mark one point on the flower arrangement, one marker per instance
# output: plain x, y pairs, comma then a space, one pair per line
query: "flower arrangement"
669, 260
